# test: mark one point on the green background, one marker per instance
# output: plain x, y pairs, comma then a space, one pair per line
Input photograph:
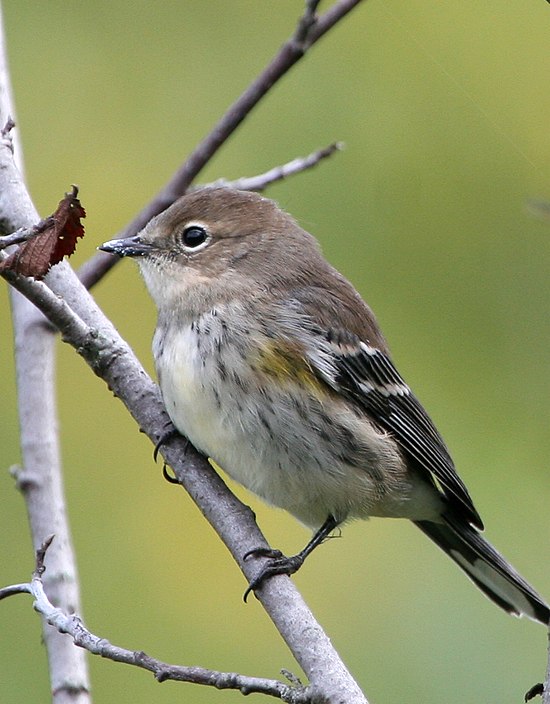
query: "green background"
444, 108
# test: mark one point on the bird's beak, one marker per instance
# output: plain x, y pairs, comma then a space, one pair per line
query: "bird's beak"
129, 247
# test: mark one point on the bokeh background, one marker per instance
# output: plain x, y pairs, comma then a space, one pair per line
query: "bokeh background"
444, 108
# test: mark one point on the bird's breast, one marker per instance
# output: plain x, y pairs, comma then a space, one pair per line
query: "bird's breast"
255, 406
193, 372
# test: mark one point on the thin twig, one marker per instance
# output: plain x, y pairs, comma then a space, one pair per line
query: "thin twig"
72, 625
25, 233
308, 32
305, 25
15, 589
278, 173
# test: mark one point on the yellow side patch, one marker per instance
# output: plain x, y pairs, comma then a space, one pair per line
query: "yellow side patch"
286, 362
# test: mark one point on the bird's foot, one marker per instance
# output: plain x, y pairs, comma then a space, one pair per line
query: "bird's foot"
278, 564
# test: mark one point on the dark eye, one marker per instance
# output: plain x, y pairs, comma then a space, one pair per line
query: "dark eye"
193, 236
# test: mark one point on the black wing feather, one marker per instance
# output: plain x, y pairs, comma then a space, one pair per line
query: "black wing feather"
368, 375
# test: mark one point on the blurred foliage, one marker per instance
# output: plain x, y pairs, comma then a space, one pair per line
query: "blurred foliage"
444, 109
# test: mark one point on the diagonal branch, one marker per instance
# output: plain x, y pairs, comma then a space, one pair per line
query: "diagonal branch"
308, 32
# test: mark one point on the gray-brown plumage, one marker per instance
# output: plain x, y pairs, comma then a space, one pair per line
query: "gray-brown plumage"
271, 363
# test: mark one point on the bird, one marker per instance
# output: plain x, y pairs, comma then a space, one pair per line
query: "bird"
271, 364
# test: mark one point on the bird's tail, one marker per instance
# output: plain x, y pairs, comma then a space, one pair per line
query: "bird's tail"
487, 568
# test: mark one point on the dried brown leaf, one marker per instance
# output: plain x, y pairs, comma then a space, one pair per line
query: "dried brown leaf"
55, 238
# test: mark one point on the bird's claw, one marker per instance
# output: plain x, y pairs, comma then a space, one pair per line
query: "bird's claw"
164, 438
278, 564
263, 552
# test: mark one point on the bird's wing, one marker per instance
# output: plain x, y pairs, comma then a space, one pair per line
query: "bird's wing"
366, 375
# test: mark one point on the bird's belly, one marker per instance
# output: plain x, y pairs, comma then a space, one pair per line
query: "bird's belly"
279, 441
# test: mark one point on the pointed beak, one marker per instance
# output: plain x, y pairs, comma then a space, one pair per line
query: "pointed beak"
129, 247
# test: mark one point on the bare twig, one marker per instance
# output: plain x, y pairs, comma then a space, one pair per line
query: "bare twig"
278, 173
307, 33
308, 19
41, 556
25, 233
15, 589
73, 626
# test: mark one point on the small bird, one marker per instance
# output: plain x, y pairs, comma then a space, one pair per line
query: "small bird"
270, 362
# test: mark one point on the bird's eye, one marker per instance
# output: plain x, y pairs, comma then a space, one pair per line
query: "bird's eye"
193, 236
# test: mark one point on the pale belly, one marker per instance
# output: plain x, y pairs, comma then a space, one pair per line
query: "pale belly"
282, 444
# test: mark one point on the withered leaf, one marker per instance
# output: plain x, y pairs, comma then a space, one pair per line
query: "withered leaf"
55, 238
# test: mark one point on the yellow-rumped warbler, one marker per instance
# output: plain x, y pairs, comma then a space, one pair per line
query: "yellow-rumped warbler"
271, 364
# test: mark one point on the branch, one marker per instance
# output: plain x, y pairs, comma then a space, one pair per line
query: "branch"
278, 173
24, 234
73, 626
40, 479
15, 589
308, 32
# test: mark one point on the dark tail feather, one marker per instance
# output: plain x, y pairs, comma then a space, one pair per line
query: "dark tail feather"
487, 568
